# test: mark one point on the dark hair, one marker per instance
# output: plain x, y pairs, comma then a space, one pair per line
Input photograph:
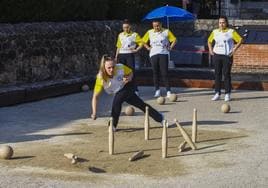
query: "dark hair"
226, 20
159, 21
107, 57
126, 21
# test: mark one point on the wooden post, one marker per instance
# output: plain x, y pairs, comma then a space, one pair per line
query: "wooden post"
146, 124
185, 135
111, 137
136, 156
194, 126
164, 140
182, 146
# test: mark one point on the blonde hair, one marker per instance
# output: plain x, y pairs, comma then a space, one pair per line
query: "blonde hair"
102, 72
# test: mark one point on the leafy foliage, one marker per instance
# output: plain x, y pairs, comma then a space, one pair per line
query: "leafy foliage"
73, 10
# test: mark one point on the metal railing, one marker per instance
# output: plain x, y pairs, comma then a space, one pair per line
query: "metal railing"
229, 12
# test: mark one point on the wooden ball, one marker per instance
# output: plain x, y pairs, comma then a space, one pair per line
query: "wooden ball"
160, 100
85, 87
129, 111
225, 108
173, 97
6, 152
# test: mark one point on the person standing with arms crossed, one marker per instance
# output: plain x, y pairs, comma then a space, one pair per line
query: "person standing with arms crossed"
128, 43
222, 52
161, 42
116, 79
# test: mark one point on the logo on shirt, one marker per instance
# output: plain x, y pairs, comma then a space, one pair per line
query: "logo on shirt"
119, 78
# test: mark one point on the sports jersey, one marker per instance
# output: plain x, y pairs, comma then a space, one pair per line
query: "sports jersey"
224, 40
159, 41
114, 84
126, 42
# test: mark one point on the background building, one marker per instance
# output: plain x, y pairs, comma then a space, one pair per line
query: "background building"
239, 9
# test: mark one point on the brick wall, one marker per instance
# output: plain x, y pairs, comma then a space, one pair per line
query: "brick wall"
251, 57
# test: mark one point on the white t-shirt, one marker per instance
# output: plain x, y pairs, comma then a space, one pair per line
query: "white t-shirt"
159, 41
126, 42
114, 84
224, 40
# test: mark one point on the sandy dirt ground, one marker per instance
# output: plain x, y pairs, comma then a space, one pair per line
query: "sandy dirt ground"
229, 145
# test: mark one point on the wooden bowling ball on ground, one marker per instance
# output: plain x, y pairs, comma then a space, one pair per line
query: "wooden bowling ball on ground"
173, 97
6, 152
225, 108
160, 100
85, 87
129, 111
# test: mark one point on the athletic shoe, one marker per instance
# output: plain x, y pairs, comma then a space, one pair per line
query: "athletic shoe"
168, 94
163, 120
157, 93
114, 129
227, 97
216, 97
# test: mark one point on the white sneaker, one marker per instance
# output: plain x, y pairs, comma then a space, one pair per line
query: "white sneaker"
137, 93
114, 129
216, 97
163, 120
168, 94
227, 97
157, 93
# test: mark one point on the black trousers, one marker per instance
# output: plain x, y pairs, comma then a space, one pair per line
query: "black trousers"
129, 60
223, 65
127, 94
160, 65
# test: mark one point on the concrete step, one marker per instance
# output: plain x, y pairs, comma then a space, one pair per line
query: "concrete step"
178, 77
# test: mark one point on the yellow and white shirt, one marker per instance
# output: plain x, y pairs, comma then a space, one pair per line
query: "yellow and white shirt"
126, 42
114, 84
224, 40
159, 41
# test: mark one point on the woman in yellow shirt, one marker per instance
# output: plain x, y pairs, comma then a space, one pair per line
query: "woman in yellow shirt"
116, 79
161, 42
128, 43
222, 53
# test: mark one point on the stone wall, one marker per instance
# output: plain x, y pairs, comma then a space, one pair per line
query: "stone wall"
33, 52
53, 51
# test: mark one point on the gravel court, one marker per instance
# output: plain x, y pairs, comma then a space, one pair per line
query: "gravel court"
243, 164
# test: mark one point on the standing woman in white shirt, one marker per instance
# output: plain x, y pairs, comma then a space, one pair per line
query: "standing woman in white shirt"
222, 53
128, 43
161, 42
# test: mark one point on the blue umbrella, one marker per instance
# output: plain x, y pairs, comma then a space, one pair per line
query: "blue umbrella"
169, 14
